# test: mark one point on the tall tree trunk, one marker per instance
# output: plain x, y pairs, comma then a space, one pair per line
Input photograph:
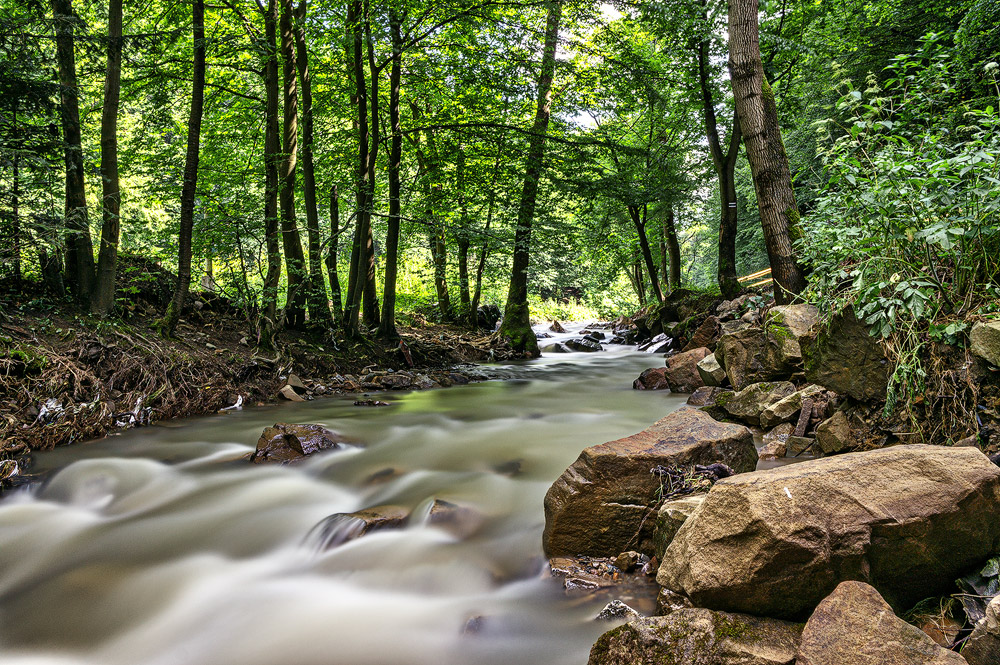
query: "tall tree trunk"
15, 220
370, 312
516, 321
387, 327
319, 310
295, 265
639, 221
331, 257
272, 155
462, 235
673, 249
189, 188
107, 261
772, 178
79, 248
355, 281
484, 251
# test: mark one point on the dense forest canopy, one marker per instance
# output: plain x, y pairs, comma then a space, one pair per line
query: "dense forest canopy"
337, 163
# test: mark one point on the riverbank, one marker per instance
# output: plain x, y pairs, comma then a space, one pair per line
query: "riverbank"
66, 377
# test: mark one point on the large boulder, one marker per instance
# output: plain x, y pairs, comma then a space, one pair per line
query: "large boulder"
705, 335
984, 341
691, 636
682, 370
748, 404
654, 378
670, 517
846, 359
601, 504
787, 409
767, 353
835, 434
908, 519
285, 442
711, 372
855, 626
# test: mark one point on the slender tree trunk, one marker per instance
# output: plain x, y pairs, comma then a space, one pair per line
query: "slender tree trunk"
331, 257
387, 327
516, 321
772, 178
484, 251
79, 248
673, 249
319, 310
15, 222
107, 261
190, 185
462, 236
725, 167
295, 265
352, 307
639, 221
272, 155
370, 311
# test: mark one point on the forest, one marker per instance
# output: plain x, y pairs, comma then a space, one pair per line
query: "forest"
332, 294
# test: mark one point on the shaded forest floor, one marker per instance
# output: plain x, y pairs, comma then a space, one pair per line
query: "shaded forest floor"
67, 377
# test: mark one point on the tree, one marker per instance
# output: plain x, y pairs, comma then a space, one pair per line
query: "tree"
758, 114
516, 320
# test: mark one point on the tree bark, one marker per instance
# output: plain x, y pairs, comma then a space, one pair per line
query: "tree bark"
673, 250
370, 312
319, 310
639, 221
79, 247
104, 292
331, 257
272, 150
725, 168
462, 235
190, 185
516, 321
758, 115
298, 282
387, 327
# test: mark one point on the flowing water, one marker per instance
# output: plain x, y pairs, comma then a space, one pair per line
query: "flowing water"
157, 548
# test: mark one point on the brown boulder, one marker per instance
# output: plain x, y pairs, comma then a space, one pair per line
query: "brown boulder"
682, 370
748, 404
835, 434
766, 353
846, 359
704, 395
654, 378
907, 519
855, 626
285, 442
690, 636
340, 528
670, 517
776, 442
706, 335
601, 505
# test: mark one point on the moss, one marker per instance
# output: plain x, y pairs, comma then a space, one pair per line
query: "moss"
795, 231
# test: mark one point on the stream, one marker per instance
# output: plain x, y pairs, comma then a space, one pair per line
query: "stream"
161, 547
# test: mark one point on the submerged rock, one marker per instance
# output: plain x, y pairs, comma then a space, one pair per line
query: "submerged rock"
602, 502
855, 626
340, 528
908, 519
284, 442
698, 637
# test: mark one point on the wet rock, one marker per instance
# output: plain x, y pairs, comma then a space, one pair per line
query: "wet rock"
846, 359
289, 393
835, 434
628, 561
341, 528
370, 402
616, 610
584, 344
595, 335
775, 442
558, 347
284, 442
543, 335
795, 446
984, 341
510, 468
787, 409
668, 601
706, 335
983, 647
855, 626
698, 637
474, 625
748, 404
908, 519
654, 378
682, 370
659, 344
705, 395
604, 498
460, 521
556, 327
711, 372
671, 516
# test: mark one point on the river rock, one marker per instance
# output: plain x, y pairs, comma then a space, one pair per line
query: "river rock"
748, 404
654, 378
459, 521
786, 409
284, 442
340, 528
557, 327
984, 341
671, 516
668, 601
584, 344
692, 636
682, 370
846, 359
798, 445
776, 442
558, 347
711, 372
601, 504
706, 335
659, 344
705, 395
983, 647
835, 435
855, 626
767, 353
908, 519
616, 610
